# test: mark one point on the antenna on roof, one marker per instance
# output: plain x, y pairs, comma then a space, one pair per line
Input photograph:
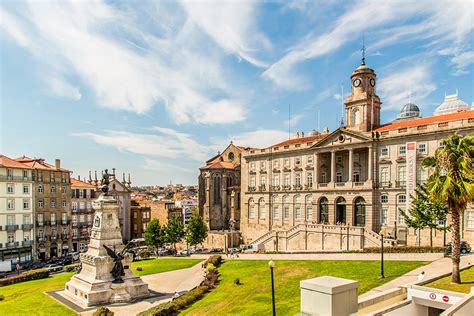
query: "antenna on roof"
342, 105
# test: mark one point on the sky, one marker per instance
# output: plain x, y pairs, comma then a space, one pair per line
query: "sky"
155, 88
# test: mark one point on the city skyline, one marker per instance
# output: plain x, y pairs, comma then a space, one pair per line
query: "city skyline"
155, 91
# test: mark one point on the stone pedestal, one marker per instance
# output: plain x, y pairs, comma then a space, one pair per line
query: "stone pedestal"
329, 296
94, 284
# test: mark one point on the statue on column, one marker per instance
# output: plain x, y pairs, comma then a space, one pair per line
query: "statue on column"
104, 183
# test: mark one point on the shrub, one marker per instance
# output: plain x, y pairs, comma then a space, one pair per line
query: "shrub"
215, 260
2, 297
25, 276
401, 249
144, 254
72, 267
237, 281
139, 269
210, 267
103, 311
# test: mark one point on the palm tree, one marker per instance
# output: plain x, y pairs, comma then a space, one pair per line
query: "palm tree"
452, 181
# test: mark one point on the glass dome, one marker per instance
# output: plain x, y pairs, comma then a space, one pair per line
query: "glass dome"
409, 110
451, 104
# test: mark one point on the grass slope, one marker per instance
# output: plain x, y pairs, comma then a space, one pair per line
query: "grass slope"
467, 280
253, 297
162, 265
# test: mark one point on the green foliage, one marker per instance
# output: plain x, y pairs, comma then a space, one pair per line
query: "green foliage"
452, 180
210, 267
2, 297
72, 267
144, 254
196, 230
154, 234
103, 311
25, 276
399, 250
174, 231
215, 260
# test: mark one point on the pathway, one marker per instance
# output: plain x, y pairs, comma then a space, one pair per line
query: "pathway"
433, 270
166, 283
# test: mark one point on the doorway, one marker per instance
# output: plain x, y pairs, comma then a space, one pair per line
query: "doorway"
341, 210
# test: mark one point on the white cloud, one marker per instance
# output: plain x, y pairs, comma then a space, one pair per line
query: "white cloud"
127, 66
395, 88
444, 25
255, 139
294, 120
232, 25
166, 143
60, 88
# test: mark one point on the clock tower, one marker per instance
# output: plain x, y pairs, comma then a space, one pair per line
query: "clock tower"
363, 105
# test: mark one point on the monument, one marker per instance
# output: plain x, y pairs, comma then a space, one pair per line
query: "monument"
105, 275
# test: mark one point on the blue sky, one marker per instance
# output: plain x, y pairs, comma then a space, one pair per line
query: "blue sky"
155, 87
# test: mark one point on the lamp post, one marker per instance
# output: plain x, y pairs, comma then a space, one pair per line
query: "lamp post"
382, 233
231, 224
271, 264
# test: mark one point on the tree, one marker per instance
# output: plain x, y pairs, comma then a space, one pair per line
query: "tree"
452, 181
425, 213
196, 231
174, 231
154, 234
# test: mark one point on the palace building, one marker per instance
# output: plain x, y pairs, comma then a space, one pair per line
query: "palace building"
334, 191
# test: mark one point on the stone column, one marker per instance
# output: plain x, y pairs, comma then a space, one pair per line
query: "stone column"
316, 171
351, 165
370, 172
333, 166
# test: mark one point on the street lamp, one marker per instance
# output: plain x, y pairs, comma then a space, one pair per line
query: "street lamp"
271, 264
382, 233
231, 224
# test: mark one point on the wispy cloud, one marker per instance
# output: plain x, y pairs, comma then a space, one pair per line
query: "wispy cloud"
128, 67
256, 139
60, 88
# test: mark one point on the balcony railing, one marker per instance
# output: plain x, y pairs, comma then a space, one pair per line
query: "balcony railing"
15, 178
262, 187
41, 238
385, 184
298, 187
308, 186
27, 243
252, 189
40, 224
287, 187
27, 226
11, 227
53, 223
75, 237
12, 244
66, 222
53, 237
64, 236
400, 184
275, 187
358, 184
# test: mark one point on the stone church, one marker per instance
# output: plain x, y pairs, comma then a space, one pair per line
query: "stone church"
334, 191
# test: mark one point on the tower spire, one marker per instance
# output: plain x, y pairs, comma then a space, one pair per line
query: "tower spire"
363, 52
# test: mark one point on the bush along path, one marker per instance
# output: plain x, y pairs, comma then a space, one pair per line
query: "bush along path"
176, 305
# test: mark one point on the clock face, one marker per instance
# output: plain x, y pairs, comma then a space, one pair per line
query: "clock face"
357, 82
372, 82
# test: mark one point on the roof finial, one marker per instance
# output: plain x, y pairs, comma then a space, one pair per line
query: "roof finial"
363, 51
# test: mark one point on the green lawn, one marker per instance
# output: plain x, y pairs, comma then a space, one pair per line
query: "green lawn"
253, 297
467, 280
162, 265
28, 298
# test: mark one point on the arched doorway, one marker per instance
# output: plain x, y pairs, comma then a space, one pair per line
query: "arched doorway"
359, 212
323, 215
340, 210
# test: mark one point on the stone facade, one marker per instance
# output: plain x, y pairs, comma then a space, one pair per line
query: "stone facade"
308, 192
16, 211
83, 194
140, 218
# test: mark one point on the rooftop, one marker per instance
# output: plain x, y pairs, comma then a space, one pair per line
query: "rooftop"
81, 184
11, 163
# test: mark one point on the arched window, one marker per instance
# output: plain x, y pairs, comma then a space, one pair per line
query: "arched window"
261, 208
323, 210
217, 190
309, 207
340, 210
251, 209
359, 212
286, 207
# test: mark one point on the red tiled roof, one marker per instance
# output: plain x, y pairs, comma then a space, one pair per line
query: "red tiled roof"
426, 121
38, 163
11, 163
81, 184
220, 165
300, 140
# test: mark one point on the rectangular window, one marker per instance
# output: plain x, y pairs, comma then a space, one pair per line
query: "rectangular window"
26, 219
53, 218
40, 188
441, 144
135, 226
88, 206
297, 161
63, 203
74, 206
470, 219
252, 181
41, 218
323, 177
276, 211
10, 204
422, 148
384, 151
252, 166
339, 177
276, 180
297, 212
26, 189
53, 189
82, 205
11, 238
135, 214
309, 179
309, 213
11, 220
10, 188
339, 159
309, 159
51, 176
287, 179
40, 176
298, 179
356, 176
10, 174
401, 219
53, 202
384, 199
384, 175
384, 216
402, 173
286, 162
287, 212
81, 194
262, 179
26, 204
74, 219
64, 217
251, 211
402, 199
262, 165
25, 174
63, 189
276, 163
402, 150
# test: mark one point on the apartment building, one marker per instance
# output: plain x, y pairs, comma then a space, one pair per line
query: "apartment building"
82, 196
141, 216
16, 211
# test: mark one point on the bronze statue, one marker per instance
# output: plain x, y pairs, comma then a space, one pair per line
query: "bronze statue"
104, 183
118, 270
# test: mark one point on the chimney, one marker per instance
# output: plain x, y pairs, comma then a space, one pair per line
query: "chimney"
57, 163
79, 177
302, 134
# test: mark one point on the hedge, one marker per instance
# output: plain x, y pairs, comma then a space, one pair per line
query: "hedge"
173, 308
411, 249
25, 276
103, 311
72, 267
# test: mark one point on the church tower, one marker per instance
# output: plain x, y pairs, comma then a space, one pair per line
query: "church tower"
363, 105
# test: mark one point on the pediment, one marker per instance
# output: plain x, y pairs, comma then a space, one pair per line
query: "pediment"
342, 137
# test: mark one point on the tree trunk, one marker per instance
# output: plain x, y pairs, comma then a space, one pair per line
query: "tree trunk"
431, 239
456, 242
